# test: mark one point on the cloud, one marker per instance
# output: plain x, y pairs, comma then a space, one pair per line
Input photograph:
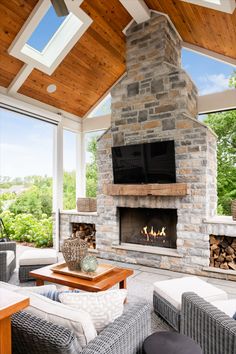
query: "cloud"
212, 83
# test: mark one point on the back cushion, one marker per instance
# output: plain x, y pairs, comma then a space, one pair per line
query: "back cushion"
79, 321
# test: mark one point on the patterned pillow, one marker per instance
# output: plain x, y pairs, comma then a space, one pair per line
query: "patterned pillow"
104, 307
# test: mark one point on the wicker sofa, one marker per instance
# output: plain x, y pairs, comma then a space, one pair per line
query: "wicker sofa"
207, 325
7, 260
125, 335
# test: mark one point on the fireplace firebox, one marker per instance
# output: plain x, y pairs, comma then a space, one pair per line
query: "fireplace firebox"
149, 227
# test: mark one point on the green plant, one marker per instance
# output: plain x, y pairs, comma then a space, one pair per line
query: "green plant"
92, 170
224, 125
27, 228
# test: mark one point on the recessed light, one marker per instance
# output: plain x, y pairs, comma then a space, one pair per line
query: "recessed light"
51, 88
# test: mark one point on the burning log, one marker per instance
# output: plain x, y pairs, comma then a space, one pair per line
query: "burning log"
152, 234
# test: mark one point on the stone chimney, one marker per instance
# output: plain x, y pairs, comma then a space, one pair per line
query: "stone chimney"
157, 101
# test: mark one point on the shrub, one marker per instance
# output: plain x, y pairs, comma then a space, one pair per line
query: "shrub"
27, 228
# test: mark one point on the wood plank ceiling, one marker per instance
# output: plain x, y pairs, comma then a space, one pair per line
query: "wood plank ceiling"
98, 58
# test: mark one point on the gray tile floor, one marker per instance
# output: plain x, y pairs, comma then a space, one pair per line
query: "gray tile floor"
141, 283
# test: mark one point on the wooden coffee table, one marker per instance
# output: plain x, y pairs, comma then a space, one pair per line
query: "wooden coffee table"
106, 281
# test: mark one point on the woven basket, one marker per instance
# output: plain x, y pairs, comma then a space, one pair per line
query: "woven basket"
233, 209
74, 250
87, 204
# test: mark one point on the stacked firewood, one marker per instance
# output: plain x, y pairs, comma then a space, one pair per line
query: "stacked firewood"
223, 252
85, 232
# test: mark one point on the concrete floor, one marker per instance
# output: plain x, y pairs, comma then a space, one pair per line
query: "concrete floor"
140, 284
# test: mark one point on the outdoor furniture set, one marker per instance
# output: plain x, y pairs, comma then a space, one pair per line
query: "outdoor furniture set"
195, 309
198, 310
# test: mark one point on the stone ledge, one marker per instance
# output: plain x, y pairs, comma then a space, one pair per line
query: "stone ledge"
220, 219
149, 249
75, 212
220, 271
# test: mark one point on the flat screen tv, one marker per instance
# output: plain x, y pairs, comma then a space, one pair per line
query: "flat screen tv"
144, 163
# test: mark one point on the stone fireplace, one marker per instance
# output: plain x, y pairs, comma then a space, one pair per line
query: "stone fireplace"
146, 226
157, 101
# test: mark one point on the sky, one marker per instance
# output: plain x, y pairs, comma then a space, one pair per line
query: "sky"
26, 144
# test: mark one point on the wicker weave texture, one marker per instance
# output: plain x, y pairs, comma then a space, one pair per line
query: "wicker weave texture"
207, 325
25, 269
125, 335
6, 270
167, 311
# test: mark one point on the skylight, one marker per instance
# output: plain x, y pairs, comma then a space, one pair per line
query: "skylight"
46, 39
45, 30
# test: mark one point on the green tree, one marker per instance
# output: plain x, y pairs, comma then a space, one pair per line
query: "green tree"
224, 125
92, 170
69, 190
232, 80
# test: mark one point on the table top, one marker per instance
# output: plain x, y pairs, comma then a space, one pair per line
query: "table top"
106, 281
11, 302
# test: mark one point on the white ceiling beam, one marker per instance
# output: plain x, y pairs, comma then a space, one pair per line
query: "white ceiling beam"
216, 102
20, 78
137, 9
209, 53
227, 6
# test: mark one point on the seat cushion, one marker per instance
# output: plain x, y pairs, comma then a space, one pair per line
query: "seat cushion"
10, 257
172, 290
104, 307
226, 306
38, 257
77, 320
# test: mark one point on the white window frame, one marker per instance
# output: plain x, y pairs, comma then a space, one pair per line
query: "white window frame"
70, 31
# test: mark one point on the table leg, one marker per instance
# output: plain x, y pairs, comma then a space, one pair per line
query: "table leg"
39, 282
123, 284
5, 336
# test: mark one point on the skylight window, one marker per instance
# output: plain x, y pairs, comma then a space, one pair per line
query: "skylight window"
46, 39
45, 30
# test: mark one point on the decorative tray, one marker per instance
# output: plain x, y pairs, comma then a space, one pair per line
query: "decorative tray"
100, 271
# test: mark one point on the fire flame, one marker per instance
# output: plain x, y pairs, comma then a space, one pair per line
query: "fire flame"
153, 233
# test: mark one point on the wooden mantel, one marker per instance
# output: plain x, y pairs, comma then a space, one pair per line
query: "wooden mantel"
170, 189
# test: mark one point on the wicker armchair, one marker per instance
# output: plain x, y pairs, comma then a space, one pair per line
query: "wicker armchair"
125, 335
207, 325
7, 261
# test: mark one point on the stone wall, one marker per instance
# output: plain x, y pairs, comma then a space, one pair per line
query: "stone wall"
157, 101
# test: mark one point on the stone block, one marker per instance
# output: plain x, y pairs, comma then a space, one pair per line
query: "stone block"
168, 124
133, 89
142, 116
157, 86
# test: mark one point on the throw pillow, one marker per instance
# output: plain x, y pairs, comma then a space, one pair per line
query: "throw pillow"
104, 307
79, 321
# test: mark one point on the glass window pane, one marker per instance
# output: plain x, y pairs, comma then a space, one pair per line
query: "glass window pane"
208, 74
91, 162
69, 170
102, 108
45, 30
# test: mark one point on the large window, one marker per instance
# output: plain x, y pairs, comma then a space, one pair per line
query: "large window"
26, 167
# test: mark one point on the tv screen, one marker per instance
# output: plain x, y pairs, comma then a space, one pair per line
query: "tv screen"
144, 163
